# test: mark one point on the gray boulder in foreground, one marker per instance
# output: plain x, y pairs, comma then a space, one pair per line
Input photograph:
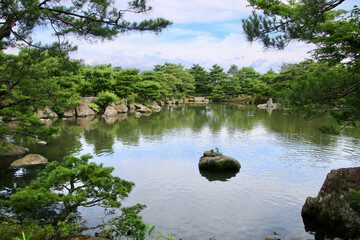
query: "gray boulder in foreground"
212, 161
334, 208
9, 149
29, 160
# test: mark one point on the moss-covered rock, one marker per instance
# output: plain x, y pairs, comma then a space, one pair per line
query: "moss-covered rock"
213, 161
29, 160
334, 208
9, 149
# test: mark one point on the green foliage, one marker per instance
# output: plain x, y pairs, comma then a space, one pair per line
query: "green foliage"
44, 76
217, 151
218, 94
62, 187
132, 98
124, 82
31, 230
336, 36
24, 237
83, 18
148, 89
217, 75
32, 80
130, 223
355, 194
310, 21
164, 237
94, 107
203, 85
97, 79
107, 98
179, 82
324, 88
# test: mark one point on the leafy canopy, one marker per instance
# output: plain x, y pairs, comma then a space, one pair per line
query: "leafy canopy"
64, 186
32, 80
43, 75
336, 36
87, 19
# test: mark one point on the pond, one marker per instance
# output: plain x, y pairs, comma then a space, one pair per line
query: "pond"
284, 160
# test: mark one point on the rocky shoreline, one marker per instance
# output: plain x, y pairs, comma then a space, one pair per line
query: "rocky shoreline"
84, 108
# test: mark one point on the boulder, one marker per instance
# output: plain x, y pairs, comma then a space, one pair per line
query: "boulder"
83, 110
46, 113
109, 111
269, 104
155, 107
70, 113
132, 107
199, 100
122, 108
155, 104
90, 99
42, 143
334, 209
142, 109
8, 149
137, 114
29, 160
213, 161
124, 101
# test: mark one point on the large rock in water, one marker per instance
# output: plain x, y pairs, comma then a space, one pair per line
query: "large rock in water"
109, 111
46, 113
83, 110
29, 160
142, 109
9, 149
212, 161
269, 104
334, 208
122, 108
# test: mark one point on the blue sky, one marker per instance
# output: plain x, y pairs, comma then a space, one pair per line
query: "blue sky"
204, 32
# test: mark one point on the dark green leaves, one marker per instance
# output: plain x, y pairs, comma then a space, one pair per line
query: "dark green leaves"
87, 19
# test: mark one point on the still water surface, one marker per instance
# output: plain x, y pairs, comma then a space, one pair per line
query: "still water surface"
284, 160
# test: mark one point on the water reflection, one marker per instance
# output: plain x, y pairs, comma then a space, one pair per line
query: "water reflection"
284, 160
218, 176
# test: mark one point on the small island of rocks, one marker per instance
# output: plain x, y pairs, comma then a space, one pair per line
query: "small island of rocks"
217, 162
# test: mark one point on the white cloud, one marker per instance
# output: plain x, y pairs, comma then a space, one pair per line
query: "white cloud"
199, 10
145, 51
205, 32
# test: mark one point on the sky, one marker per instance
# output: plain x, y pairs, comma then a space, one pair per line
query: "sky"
204, 32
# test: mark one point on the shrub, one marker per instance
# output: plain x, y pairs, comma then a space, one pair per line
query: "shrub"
106, 98
51, 201
93, 106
